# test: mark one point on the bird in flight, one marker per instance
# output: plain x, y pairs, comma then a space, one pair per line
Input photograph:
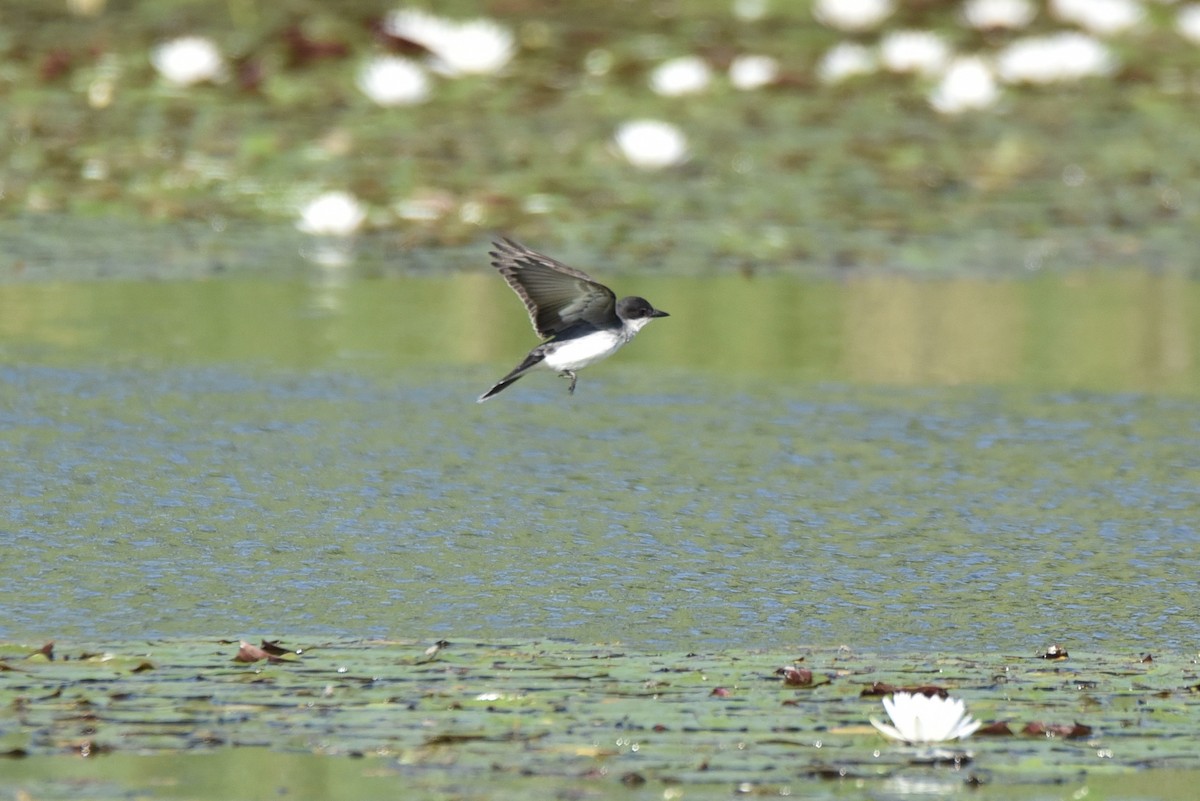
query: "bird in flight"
581, 320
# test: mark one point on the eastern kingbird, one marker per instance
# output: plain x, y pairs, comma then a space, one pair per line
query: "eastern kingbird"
582, 320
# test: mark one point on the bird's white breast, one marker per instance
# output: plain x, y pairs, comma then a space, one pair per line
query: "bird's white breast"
575, 354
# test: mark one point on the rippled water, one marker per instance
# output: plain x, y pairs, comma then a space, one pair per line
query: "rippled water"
253, 459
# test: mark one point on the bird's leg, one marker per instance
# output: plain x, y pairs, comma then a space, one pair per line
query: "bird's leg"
571, 375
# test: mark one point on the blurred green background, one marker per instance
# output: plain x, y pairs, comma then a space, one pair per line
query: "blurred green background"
800, 175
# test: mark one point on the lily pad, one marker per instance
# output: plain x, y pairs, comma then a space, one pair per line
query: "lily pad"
555, 714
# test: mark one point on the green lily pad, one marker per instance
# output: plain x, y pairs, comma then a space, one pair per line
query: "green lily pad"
560, 714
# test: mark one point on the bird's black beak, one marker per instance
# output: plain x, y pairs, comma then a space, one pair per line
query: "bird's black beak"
659, 313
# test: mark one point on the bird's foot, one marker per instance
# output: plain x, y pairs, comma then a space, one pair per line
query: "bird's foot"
571, 375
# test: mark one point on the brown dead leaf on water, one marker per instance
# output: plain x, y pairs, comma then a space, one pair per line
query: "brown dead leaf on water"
273, 648
248, 652
1065, 730
795, 677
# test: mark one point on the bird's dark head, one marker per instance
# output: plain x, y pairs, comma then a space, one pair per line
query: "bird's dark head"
637, 310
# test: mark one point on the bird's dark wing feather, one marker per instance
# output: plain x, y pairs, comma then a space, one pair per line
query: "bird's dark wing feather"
555, 295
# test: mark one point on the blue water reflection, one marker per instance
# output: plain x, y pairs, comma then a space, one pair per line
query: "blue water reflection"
326, 504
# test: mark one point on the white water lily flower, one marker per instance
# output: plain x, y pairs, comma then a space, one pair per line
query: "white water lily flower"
188, 60
918, 718
753, 72
651, 144
1101, 17
852, 15
845, 60
922, 52
1188, 22
332, 214
686, 75
393, 81
999, 14
475, 47
1066, 56
479, 47
967, 85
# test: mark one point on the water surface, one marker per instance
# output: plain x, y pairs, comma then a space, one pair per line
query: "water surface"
902, 465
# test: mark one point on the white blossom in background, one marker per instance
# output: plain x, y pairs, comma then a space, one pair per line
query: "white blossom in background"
651, 144
480, 47
750, 10
1058, 58
922, 52
967, 85
987, 15
188, 60
1101, 17
1187, 22
918, 718
474, 47
845, 60
686, 75
393, 81
431, 32
853, 15
753, 72
332, 214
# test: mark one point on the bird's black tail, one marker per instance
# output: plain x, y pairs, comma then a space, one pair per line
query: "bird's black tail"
532, 360
501, 385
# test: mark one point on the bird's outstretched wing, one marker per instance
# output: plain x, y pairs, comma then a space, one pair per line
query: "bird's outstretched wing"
555, 295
